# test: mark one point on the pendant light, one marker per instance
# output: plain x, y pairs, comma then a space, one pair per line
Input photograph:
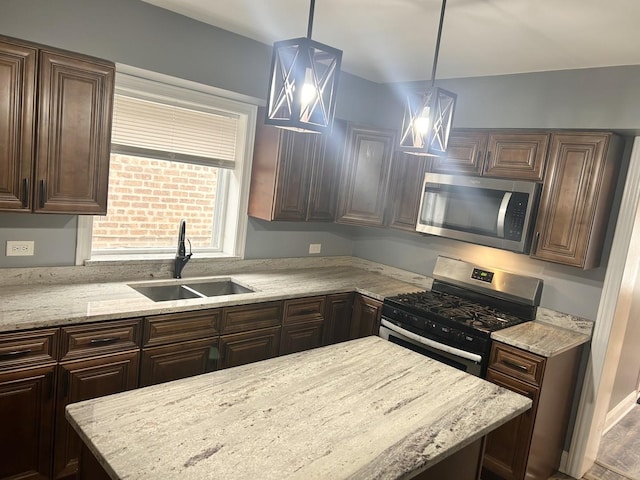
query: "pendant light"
428, 115
304, 81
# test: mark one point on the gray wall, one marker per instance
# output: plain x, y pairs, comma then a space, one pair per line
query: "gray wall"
292, 239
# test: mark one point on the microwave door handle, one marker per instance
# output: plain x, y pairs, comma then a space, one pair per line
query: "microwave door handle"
502, 213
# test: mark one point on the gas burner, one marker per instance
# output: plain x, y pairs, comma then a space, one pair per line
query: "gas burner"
444, 306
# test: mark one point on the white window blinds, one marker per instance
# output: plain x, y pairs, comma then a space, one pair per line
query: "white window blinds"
164, 131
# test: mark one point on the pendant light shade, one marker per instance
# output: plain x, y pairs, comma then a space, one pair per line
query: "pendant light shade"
427, 122
303, 84
428, 115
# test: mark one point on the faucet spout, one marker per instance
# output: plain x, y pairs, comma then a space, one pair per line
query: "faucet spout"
181, 254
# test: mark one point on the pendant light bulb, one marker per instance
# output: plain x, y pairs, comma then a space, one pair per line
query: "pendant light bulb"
422, 123
308, 91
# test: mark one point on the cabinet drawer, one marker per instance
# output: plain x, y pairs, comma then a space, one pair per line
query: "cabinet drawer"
99, 338
303, 310
180, 327
262, 315
28, 348
517, 363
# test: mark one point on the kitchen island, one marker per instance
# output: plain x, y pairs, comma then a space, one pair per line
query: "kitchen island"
361, 409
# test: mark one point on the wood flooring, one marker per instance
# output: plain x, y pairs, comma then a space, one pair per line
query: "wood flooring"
619, 453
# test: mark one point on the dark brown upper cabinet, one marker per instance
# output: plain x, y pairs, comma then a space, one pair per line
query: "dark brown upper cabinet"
295, 175
405, 191
517, 155
55, 131
365, 175
576, 198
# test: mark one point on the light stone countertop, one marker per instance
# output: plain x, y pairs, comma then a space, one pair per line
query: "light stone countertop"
37, 298
364, 409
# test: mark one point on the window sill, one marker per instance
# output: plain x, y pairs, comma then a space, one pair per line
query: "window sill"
107, 260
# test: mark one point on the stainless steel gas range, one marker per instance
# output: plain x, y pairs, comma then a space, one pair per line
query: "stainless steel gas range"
453, 321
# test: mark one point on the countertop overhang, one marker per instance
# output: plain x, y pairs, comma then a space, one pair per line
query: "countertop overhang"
361, 409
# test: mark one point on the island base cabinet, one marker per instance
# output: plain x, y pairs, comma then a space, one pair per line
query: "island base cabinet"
242, 348
82, 380
507, 447
172, 362
26, 419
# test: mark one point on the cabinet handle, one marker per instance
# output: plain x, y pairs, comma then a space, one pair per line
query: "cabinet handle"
479, 157
15, 353
488, 159
65, 384
43, 192
103, 341
515, 365
25, 192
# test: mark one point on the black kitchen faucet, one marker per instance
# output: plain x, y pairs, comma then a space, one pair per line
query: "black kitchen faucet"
181, 254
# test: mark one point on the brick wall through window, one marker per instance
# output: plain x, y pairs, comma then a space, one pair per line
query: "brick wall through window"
147, 200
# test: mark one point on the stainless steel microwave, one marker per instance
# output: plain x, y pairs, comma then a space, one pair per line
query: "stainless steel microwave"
486, 211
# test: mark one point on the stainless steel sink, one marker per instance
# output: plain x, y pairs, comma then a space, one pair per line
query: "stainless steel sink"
216, 288
191, 289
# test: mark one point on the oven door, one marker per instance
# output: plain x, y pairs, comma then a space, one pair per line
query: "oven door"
460, 359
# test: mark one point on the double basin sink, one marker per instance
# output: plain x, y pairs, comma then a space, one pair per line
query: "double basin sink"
189, 289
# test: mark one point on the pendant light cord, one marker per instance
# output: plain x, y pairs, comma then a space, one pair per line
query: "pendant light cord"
435, 56
310, 25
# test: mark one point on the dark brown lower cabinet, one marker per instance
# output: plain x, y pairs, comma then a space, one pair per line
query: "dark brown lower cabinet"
82, 380
179, 360
365, 320
242, 348
337, 313
529, 447
507, 447
26, 422
301, 336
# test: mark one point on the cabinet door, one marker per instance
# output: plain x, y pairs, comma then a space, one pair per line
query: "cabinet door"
576, 198
181, 360
249, 347
337, 314
17, 113
365, 176
74, 133
507, 447
465, 153
294, 170
26, 416
301, 336
516, 155
82, 380
407, 176
326, 153
366, 316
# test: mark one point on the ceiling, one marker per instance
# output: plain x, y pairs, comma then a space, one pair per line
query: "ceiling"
394, 40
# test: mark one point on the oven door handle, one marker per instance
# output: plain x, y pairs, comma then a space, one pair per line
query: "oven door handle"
431, 343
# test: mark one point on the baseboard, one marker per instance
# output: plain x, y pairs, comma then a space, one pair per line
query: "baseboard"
563, 462
619, 411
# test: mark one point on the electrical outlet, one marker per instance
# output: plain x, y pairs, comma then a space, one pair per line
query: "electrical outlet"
315, 247
17, 248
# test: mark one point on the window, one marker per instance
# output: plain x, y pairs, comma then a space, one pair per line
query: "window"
178, 151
